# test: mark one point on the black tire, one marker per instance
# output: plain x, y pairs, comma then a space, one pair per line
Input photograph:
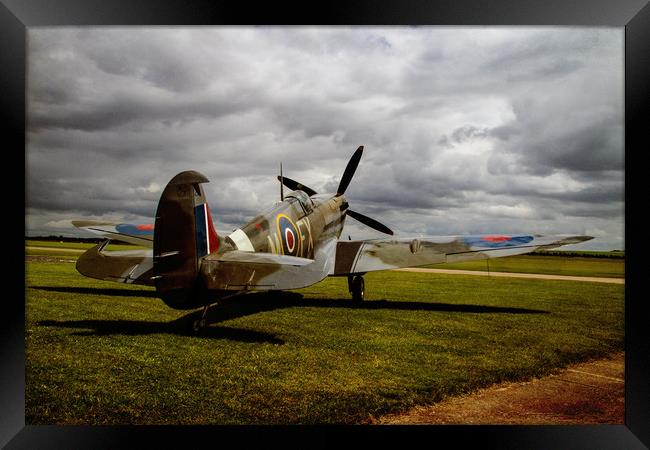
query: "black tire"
198, 325
358, 289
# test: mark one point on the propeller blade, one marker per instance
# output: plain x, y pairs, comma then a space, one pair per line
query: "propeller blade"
372, 223
349, 171
295, 186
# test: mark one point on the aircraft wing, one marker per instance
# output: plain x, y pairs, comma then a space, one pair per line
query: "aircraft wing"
138, 234
238, 270
381, 254
244, 257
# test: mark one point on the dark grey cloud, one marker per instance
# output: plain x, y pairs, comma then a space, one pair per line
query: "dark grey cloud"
543, 58
466, 130
136, 111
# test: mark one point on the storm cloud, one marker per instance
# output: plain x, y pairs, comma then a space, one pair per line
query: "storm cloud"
466, 130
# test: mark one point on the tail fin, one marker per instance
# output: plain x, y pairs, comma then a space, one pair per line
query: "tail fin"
183, 233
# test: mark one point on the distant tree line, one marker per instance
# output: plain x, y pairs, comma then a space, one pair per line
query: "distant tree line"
69, 239
615, 254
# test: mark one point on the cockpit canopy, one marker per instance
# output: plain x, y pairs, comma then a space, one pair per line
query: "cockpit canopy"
303, 199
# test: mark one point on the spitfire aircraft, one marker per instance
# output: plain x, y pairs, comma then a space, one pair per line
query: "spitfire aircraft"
292, 245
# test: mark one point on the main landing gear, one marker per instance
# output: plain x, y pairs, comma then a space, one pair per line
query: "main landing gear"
356, 286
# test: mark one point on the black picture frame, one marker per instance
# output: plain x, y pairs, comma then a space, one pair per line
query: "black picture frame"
16, 16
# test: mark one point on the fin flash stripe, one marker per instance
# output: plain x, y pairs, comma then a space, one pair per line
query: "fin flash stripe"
206, 238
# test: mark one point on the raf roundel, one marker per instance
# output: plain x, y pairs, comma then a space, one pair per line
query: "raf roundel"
289, 235
142, 229
497, 241
289, 239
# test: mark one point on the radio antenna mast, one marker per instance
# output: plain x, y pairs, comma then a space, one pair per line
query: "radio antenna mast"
281, 185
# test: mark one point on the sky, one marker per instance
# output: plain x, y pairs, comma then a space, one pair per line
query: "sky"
466, 130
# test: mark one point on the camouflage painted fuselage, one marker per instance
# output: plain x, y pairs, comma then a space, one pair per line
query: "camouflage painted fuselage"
292, 227
298, 227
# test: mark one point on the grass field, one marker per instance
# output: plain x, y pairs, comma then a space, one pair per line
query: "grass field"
67, 250
107, 353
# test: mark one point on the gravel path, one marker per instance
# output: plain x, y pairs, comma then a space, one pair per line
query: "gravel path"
586, 393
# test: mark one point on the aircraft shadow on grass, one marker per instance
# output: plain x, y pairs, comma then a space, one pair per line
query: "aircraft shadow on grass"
245, 305
112, 292
141, 327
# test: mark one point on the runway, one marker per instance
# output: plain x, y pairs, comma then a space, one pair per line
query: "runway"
57, 249
515, 275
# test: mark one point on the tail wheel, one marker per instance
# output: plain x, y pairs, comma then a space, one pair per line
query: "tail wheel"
198, 325
357, 288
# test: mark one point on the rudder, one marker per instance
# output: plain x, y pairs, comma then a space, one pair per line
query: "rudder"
183, 234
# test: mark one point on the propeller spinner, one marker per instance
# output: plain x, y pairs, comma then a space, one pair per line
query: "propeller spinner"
350, 169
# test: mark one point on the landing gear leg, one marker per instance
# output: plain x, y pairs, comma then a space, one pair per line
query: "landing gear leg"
356, 286
200, 324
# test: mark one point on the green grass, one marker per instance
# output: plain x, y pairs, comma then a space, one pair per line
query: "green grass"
107, 353
56, 244
546, 264
68, 250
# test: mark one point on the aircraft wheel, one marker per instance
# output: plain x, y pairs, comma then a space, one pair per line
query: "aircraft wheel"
357, 288
198, 325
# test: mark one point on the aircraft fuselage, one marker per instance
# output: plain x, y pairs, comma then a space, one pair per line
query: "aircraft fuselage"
292, 227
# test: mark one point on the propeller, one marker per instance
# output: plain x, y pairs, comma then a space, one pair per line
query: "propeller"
350, 169
370, 222
295, 186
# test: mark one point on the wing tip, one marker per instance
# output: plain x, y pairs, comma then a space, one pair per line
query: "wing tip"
576, 239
